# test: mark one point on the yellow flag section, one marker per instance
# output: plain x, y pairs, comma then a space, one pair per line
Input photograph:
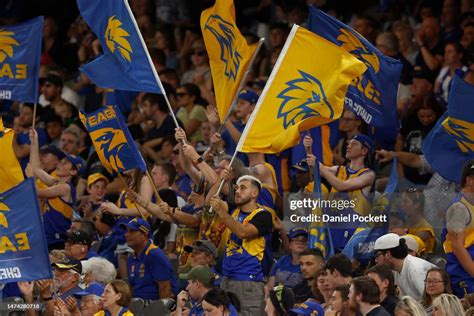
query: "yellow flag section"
306, 89
10, 170
229, 54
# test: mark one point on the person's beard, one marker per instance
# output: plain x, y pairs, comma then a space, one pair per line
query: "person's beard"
242, 201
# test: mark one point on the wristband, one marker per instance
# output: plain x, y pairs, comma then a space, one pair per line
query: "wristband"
46, 299
199, 160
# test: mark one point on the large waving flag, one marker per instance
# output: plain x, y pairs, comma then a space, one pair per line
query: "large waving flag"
361, 244
20, 51
112, 140
229, 54
23, 249
126, 64
319, 233
450, 144
10, 169
306, 89
373, 95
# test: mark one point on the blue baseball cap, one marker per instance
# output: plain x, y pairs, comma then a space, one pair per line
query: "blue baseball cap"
297, 231
93, 289
301, 166
76, 161
365, 140
309, 308
137, 223
248, 95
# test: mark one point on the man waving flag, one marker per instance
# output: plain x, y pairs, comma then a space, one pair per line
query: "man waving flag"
306, 89
229, 54
125, 64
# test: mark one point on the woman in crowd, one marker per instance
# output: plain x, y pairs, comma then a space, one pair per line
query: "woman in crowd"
436, 283
218, 302
116, 298
191, 112
409, 307
279, 301
447, 304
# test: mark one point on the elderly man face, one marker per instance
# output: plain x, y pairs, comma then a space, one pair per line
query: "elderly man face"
90, 305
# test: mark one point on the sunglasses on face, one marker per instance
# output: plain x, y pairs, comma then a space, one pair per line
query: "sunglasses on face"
199, 53
181, 94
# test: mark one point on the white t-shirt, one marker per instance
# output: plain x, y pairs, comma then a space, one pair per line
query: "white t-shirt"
411, 280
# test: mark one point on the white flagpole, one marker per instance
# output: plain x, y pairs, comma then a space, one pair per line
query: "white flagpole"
158, 81
249, 124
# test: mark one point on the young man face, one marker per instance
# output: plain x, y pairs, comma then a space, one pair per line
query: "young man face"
310, 265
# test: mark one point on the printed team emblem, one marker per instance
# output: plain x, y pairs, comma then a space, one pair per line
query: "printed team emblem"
304, 97
3, 219
116, 38
224, 32
462, 132
110, 142
6, 44
353, 45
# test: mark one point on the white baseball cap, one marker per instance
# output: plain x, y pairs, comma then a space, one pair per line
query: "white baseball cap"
387, 241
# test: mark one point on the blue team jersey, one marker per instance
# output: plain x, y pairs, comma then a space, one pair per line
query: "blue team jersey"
287, 273
57, 217
107, 247
243, 257
148, 268
230, 145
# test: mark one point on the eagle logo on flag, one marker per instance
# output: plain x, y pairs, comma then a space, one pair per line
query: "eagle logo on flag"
3, 219
303, 97
116, 38
223, 31
463, 133
6, 44
110, 141
353, 45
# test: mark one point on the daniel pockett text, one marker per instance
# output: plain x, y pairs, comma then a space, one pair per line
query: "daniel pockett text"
301, 210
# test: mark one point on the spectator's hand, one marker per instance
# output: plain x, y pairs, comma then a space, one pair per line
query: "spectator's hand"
307, 141
71, 304
190, 152
26, 288
45, 287
383, 155
87, 209
60, 307
134, 196
165, 208
29, 171
215, 140
219, 206
182, 299
212, 115
277, 223
311, 160
226, 174
33, 137
180, 135
419, 37
110, 207
196, 199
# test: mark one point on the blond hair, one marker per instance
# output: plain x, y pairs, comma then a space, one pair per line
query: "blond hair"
410, 306
449, 304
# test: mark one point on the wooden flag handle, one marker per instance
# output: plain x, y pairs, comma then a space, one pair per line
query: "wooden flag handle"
127, 188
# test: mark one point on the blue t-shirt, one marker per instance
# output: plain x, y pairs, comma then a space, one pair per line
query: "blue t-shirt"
107, 247
286, 273
24, 139
230, 145
148, 268
183, 182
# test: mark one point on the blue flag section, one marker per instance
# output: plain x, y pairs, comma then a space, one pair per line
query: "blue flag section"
112, 140
23, 250
361, 244
319, 234
20, 51
125, 64
450, 144
123, 99
372, 96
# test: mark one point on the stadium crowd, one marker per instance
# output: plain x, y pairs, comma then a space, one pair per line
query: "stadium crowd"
116, 249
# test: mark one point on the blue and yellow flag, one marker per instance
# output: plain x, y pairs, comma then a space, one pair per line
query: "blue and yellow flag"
123, 99
125, 64
23, 249
10, 169
20, 51
450, 144
373, 95
112, 140
229, 54
319, 233
306, 89
361, 244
